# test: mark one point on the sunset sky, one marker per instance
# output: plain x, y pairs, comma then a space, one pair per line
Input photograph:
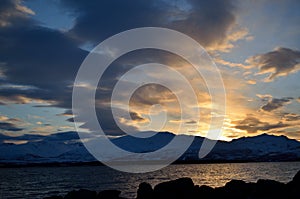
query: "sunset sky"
255, 44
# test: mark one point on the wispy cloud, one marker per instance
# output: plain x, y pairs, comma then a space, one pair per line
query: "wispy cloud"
253, 125
279, 62
276, 103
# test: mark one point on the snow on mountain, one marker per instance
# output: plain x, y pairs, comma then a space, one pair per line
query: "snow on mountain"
67, 147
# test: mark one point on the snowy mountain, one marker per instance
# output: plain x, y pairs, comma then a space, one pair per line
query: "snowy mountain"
67, 148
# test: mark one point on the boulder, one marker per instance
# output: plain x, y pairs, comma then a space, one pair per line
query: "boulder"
80, 194
237, 189
269, 189
176, 189
109, 194
294, 187
204, 192
54, 197
184, 188
145, 191
296, 179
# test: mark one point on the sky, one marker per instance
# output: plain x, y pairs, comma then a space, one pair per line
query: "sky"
255, 45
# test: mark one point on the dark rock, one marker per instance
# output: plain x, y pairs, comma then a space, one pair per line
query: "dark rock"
109, 194
269, 189
237, 189
184, 188
296, 179
176, 189
81, 194
294, 187
204, 192
54, 197
145, 191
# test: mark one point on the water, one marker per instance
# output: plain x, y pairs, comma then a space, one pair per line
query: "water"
39, 182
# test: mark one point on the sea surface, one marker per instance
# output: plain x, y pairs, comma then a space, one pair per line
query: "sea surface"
39, 182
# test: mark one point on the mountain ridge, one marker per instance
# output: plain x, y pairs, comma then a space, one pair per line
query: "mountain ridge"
66, 147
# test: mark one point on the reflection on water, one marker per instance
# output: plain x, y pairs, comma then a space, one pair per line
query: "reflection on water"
38, 182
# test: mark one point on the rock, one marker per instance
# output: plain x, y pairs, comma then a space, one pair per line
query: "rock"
269, 189
296, 179
145, 191
54, 197
80, 194
176, 189
109, 194
237, 189
204, 192
294, 186
183, 188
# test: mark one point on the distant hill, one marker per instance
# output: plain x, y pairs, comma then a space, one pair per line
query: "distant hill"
67, 148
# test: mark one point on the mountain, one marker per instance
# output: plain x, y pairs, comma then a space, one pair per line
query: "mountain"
67, 148
259, 148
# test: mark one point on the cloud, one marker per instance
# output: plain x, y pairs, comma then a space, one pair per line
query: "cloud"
37, 63
279, 62
45, 61
219, 60
212, 23
265, 97
67, 113
6, 126
11, 124
108, 123
30, 63
48, 59
137, 117
10, 97
151, 94
71, 119
276, 103
253, 125
7, 119
251, 81
191, 122
12, 11
291, 117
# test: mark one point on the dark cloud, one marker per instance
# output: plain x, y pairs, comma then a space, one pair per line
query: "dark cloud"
253, 125
48, 59
67, 113
38, 57
12, 12
7, 126
209, 22
191, 122
71, 119
276, 103
291, 117
137, 117
151, 94
280, 62
107, 122
98, 20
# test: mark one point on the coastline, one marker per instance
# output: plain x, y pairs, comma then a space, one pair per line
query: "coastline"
184, 188
97, 163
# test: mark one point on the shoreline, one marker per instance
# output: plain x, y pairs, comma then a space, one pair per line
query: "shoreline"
184, 188
97, 163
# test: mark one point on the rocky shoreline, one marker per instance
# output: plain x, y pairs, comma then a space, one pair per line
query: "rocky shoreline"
184, 188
